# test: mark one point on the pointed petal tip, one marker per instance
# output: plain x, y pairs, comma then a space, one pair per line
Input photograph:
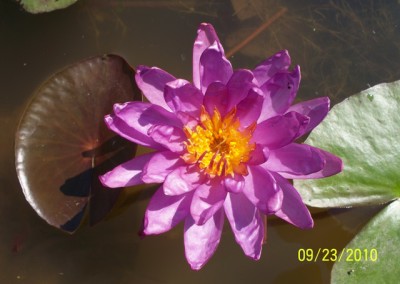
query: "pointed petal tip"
204, 27
140, 68
118, 107
255, 257
108, 119
104, 179
196, 266
307, 226
341, 166
310, 225
284, 53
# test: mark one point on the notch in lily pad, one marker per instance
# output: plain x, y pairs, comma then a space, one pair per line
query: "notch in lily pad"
62, 144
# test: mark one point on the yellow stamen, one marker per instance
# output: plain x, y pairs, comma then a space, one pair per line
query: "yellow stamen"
217, 145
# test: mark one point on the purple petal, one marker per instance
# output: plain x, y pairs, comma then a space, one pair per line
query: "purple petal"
126, 174
280, 130
181, 96
188, 120
159, 166
206, 36
315, 109
215, 98
117, 125
295, 160
246, 223
280, 92
293, 209
151, 81
207, 200
182, 180
268, 68
332, 166
201, 241
249, 109
261, 189
238, 86
164, 212
234, 184
214, 67
259, 155
170, 137
138, 118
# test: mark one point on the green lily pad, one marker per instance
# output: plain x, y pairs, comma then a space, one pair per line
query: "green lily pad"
373, 255
364, 131
41, 6
62, 144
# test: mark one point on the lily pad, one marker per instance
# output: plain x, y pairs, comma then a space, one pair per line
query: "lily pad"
62, 144
41, 6
364, 131
373, 255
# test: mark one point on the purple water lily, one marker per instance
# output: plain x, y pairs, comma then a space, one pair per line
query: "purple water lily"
224, 145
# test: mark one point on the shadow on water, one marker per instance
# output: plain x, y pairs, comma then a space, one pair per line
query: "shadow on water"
342, 47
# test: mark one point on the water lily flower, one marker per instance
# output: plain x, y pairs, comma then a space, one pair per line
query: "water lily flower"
224, 146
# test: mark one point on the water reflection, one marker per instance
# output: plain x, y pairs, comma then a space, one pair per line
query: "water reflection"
341, 47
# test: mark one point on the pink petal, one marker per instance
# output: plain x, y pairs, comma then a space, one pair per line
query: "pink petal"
259, 155
207, 200
293, 209
126, 174
295, 160
160, 165
182, 180
280, 130
138, 118
234, 184
201, 241
261, 189
279, 92
181, 96
151, 81
119, 126
206, 36
246, 223
188, 120
214, 67
165, 212
170, 137
238, 86
268, 68
215, 98
332, 166
315, 109
249, 109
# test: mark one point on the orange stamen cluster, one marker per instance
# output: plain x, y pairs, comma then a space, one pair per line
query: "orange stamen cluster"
217, 145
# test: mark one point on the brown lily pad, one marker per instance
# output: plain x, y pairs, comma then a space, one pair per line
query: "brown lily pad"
62, 144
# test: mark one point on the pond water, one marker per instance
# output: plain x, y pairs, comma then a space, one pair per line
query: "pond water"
342, 47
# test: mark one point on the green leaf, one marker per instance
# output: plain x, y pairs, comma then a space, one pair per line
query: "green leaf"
364, 131
41, 6
373, 255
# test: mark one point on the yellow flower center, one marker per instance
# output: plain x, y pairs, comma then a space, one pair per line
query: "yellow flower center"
217, 145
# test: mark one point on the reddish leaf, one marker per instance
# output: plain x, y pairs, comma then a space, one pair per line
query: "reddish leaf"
63, 145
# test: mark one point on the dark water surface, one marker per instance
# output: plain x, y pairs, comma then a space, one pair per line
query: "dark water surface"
341, 46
